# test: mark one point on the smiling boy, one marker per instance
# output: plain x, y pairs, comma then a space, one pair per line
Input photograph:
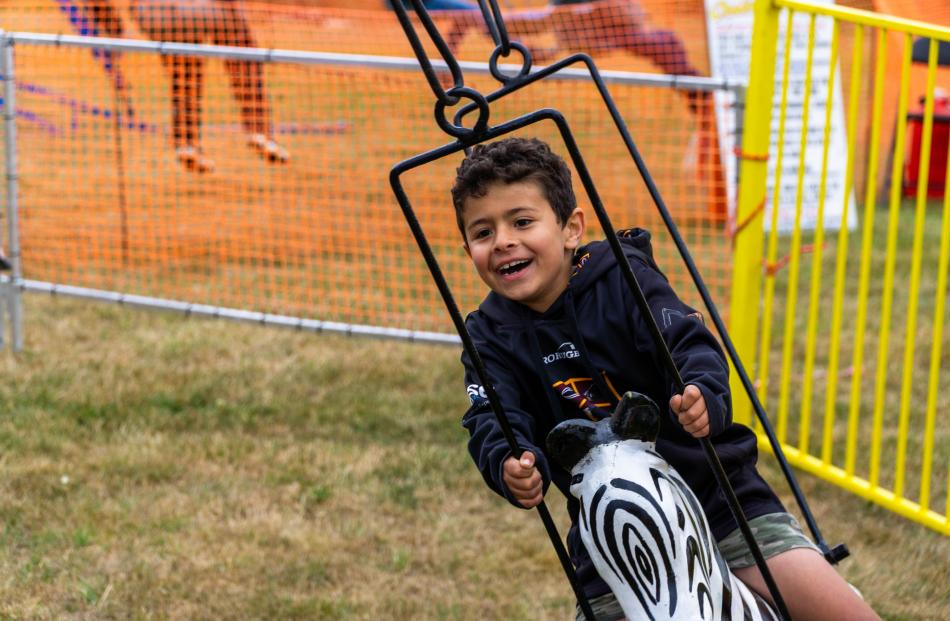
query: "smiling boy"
561, 338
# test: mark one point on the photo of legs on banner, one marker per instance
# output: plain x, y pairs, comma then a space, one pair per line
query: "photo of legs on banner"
503, 196
219, 22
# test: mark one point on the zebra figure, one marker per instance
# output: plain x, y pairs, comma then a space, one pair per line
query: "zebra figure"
643, 527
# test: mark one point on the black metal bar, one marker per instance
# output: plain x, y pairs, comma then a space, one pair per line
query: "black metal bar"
665, 357
482, 132
446, 293
444, 98
714, 314
497, 24
431, 77
117, 102
490, 22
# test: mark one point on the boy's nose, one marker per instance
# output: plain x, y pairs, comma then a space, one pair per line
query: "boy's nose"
504, 239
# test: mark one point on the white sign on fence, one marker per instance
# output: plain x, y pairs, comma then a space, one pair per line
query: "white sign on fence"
729, 24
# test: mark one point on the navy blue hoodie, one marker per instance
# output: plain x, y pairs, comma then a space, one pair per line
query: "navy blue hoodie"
577, 358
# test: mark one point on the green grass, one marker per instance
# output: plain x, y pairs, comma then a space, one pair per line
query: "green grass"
154, 467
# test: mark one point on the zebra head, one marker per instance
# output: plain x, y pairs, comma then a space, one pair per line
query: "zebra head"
636, 417
641, 524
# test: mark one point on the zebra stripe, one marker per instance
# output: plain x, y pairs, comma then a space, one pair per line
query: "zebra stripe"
650, 538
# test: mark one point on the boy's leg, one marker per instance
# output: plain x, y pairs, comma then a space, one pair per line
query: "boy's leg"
810, 586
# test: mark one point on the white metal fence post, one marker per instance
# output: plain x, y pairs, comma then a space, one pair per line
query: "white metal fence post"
12, 284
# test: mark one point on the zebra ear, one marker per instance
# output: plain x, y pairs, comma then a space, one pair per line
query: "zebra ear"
570, 441
636, 418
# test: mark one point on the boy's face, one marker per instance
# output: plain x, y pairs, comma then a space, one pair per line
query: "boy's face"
518, 247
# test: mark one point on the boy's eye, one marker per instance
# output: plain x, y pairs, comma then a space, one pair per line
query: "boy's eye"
522, 221
480, 233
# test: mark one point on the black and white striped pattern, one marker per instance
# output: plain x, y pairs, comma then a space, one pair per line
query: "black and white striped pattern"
643, 527
650, 541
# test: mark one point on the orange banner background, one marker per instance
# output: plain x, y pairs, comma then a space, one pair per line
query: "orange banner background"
114, 202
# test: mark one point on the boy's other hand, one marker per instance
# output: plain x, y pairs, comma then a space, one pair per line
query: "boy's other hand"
523, 479
690, 410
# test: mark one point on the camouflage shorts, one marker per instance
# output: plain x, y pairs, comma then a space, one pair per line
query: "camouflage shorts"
775, 533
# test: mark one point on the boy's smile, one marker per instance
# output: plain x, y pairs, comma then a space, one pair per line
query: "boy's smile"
518, 247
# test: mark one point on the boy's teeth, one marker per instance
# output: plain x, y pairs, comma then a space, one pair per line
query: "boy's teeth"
508, 267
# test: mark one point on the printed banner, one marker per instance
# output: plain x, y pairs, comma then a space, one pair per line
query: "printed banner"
729, 24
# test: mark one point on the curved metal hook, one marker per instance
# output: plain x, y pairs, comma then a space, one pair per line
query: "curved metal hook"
525, 63
456, 129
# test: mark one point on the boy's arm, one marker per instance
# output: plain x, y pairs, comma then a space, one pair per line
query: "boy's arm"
487, 444
696, 352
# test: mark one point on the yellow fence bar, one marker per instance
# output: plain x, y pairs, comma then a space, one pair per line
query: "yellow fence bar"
865, 489
867, 239
859, 325
884, 335
773, 234
815, 281
749, 240
866, 18
943, 264
791, 290
841, 259
910, 332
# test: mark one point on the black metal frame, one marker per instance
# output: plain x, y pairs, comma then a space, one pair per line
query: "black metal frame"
481, 131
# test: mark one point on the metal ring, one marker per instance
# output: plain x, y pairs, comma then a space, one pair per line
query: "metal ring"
457, 93
525, 63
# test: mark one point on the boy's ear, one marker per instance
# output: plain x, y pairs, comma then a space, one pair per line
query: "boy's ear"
574, 228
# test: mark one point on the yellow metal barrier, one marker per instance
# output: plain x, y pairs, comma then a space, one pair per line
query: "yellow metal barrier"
886, 303
815, 280
753, 170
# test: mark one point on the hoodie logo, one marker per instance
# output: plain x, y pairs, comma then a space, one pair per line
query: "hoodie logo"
564, 351
579, 263
580, 392
476, 392
671, 314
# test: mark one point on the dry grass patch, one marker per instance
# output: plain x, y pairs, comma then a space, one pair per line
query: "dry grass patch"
153, 467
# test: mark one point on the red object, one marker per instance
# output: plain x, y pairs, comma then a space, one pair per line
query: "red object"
940, 139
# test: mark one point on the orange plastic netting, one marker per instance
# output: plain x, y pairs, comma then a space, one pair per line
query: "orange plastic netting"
265, 187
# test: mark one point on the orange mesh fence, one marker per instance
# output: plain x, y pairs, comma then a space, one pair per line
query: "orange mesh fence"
265, 186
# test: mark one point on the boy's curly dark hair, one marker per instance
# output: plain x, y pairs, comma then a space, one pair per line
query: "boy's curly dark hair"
511, 160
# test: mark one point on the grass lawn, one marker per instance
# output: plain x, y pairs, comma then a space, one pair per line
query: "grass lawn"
155, 467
